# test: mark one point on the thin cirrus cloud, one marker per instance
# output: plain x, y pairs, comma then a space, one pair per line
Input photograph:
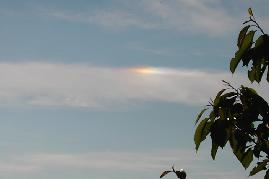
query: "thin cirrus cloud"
116, 19
181, 15
49, 84
115, 161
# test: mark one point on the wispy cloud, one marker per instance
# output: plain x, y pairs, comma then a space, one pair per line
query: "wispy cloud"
197, 166
49, 84
205, 16
116, 19
132, 161
192, 15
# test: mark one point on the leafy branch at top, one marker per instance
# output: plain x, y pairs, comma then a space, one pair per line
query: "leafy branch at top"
252, 51
252, 20
239, 116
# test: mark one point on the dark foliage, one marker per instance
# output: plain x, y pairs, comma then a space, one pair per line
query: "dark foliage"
240, 116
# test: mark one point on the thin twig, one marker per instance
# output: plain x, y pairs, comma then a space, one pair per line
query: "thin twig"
257, 25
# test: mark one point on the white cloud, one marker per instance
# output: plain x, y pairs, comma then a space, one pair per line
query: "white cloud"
48, 84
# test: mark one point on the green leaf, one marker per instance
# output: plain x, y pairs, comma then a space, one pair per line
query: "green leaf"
200, 115
242, 35
260, 166
262, 72
251, 75
234, 143
250, 91
243, 49
247, 158
214, 150
247, 41
201, 132
219, 134
258, 76
217, 99
238, 146
261, 40
234, 63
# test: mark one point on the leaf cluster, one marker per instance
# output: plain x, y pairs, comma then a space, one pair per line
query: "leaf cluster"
239, 117
253, 50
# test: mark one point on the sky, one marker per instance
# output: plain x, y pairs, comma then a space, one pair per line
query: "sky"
95, 89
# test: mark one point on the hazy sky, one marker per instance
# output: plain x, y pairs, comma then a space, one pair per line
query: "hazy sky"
110, 89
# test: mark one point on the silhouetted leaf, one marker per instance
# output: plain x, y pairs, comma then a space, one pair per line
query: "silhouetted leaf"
181, 174
251, 75
247, 158
214, 150
218, 132
233, 142
201, 132
239, 147
260, 166
165, 173
233, 64
262, 72
217, 98
242, 35
261, 41
247, 41
246, 44
200, 115
249, 91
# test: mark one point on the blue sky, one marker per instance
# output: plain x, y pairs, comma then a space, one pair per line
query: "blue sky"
111, 89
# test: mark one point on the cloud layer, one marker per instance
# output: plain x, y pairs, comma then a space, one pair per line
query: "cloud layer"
48, 84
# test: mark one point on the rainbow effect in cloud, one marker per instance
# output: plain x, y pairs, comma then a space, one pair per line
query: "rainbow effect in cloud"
148, 70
